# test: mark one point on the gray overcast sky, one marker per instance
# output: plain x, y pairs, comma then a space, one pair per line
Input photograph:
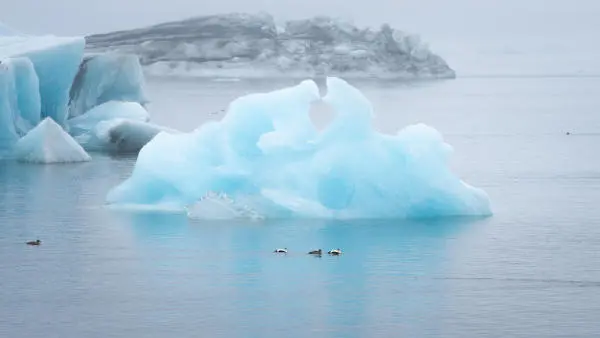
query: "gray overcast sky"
427, 17
465, 32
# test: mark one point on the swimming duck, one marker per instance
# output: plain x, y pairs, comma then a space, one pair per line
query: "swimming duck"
36, 242
335, 252
284, 250
316, 252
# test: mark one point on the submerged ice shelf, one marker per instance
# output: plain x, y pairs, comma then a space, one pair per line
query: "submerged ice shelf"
265, 159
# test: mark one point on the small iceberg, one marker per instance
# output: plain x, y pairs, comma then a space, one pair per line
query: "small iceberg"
49, 143
121, 136
107, 111
116, 127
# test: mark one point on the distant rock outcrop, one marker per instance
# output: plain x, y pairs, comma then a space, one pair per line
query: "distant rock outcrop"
244, 45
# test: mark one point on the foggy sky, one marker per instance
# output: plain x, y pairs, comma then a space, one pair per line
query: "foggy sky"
559, 35
430, 18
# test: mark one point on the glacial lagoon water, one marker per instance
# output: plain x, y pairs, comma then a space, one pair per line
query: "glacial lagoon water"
531, 270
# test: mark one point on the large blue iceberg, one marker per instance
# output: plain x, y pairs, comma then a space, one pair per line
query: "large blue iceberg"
35, 77
266, 159
106, 105
107, 77
55, 61
98, 98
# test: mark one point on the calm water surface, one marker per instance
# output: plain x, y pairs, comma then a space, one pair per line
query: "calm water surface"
531, 270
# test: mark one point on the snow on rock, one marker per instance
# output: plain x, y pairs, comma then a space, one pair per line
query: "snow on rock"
266, 158
49, 143
244, 45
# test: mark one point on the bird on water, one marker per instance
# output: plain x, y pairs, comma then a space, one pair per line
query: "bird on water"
335, 252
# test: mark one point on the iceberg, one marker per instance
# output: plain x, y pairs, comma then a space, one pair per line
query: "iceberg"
114, 126
36, 73
106, 77
266, 159
106, 106
107, 111
19, 100
121, 136
55, 60
99, 99
49, 143
28, 99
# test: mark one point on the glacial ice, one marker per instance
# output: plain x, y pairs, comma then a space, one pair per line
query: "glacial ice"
55, 60
19, 100
27, 92
49, 143
107, 111
266, 159
35, 77
107, 77
114, 126
44, 76
121, 136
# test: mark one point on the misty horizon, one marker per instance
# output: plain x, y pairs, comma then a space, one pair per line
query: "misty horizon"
432, 19
466, 33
